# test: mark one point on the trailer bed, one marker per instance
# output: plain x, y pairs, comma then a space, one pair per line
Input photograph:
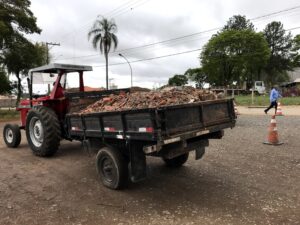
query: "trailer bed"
162, 125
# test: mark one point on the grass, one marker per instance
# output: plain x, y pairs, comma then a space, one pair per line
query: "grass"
246, 100
6, 114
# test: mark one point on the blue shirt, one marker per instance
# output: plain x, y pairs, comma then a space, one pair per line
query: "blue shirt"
274, 95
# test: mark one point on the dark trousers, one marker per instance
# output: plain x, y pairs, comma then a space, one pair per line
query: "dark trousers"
273, 104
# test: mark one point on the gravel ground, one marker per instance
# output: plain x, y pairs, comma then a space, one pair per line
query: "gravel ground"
238, 181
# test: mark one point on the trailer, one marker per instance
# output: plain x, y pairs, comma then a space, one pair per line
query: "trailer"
122, 139
125, 138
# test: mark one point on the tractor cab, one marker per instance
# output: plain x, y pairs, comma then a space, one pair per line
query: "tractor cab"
43, 116
56, 76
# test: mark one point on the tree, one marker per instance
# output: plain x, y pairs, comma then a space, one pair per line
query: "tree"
15, 18
40, 55
103, 36
234, 55
5, 86
178, 80
280, 44
21, 57
296, 51
197, 75
238, 22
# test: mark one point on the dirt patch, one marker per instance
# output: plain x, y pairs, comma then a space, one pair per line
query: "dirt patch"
238, 181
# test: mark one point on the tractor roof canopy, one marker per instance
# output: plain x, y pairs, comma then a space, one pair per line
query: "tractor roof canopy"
57, 67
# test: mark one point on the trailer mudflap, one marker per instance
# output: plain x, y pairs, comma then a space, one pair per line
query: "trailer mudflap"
137, 162
176, 149
199, 152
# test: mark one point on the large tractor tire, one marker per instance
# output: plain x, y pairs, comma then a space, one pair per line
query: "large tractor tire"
43, 131
177, 161
112, 168
12, 135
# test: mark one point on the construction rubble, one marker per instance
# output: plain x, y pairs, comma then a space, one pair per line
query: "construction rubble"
150, 99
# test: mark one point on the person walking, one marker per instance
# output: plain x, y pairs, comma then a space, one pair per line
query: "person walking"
274, 95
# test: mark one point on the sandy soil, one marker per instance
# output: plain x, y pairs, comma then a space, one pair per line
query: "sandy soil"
238, 181
286, 110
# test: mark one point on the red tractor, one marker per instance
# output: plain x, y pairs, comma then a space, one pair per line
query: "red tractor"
43, 117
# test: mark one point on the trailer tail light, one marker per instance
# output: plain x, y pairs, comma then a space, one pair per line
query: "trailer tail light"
146, 129
109, 129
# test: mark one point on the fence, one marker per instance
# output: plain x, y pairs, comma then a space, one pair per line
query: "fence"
8, 103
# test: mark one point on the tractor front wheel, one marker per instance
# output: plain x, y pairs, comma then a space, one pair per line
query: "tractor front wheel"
12, 135
43, 131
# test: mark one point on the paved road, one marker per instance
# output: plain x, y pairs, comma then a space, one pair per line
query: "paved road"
239, 181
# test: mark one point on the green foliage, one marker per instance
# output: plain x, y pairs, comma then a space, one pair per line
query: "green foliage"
178, 80
6, 115
103, 37
296, 51
246, 100
238, 22
17, 54
197, 75
40, 55
234, 55
21, 57
280, 44
15, 18
5, 86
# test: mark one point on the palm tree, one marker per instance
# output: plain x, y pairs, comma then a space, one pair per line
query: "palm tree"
103, 36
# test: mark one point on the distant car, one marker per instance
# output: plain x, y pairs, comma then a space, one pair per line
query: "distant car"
259, 87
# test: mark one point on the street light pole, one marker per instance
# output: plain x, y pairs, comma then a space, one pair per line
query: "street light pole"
129, 66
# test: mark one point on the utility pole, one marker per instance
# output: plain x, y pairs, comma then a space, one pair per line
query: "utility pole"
47, 46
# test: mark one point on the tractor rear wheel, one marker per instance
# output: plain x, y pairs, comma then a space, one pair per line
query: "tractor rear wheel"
12, 135
43, 131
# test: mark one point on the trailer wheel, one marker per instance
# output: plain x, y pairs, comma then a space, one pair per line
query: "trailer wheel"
177, 161
112, 168
43, 131
12, 135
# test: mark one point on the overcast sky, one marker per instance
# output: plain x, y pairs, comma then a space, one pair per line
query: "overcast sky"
143, 22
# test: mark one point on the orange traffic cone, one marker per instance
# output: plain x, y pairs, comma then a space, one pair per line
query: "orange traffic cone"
273, 134
279, 110
235, 109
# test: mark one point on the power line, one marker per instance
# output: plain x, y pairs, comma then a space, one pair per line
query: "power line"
117, 11
190, 35
206, 31
294, 28
126, 8
118, 52
131, 8
169, 55
152, 58
118, 8
275, 13
182, 37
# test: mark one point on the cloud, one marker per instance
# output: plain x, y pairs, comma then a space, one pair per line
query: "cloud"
141, 23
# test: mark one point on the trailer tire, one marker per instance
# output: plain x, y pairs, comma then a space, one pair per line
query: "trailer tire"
112, 168
177, 161
43, 131
12, 135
